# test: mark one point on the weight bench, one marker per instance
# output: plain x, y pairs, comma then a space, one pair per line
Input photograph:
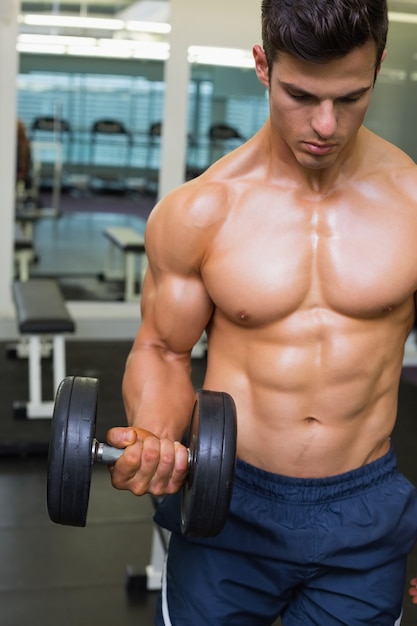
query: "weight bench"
131, 243
40, 312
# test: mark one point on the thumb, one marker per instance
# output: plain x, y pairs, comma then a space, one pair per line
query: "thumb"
121, 437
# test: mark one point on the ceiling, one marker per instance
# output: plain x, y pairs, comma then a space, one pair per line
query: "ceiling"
83, 7
127, 12
113, 7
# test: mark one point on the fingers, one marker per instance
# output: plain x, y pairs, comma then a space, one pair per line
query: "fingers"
120, 437
148, 464
412, 591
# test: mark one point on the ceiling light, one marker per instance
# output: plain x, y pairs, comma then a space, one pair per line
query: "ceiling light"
52, 40
71, 21
92, 47
97, 51
94, 23
405, 18
158, 28
30, 48
231, 57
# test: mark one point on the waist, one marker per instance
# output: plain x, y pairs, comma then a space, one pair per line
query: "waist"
316, 490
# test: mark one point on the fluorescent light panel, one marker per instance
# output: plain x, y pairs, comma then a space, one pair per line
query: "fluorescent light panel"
51, 40
231, 57
30, 48
404, 18
71, 21
128, 48
158, 28
92, 23
90, 46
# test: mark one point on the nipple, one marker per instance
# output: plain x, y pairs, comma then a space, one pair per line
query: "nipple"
243, 316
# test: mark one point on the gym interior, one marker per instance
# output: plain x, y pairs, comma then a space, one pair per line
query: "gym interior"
116, 117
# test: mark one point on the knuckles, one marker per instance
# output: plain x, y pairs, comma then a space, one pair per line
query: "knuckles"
151, 465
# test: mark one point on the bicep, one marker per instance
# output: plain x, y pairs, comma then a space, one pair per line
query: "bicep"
175, 310
176, 306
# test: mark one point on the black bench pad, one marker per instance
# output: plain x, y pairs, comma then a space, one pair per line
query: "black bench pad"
40, 308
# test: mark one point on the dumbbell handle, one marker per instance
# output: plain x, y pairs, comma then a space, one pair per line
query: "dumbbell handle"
103, 453
108, 455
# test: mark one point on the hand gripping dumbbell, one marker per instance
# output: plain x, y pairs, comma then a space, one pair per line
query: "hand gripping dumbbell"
73, 450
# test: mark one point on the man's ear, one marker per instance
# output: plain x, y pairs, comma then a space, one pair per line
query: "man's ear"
261, 65
384, 56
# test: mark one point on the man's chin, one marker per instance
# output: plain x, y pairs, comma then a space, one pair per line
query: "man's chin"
311, 162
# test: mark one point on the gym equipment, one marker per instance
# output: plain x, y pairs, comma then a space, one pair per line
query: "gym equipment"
41, 312
47, 160
23, 253
131, 244
111, 146
73, 450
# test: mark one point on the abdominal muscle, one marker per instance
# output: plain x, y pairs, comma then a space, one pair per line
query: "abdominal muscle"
309, 404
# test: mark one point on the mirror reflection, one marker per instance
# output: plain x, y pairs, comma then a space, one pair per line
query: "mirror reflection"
94, 129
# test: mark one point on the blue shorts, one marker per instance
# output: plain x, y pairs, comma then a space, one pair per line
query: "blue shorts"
316, 552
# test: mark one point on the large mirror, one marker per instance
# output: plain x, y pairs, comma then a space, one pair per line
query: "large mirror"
94, 123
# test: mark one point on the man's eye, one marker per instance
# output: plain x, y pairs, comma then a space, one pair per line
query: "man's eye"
296, 96
350, 100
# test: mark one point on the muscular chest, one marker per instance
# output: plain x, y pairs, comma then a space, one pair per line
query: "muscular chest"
356, 262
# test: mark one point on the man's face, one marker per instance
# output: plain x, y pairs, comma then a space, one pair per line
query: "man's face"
317, 109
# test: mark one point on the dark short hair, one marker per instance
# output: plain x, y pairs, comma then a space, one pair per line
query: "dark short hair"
321, 30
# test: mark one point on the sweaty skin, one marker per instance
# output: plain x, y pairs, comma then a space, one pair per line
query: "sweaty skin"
297, 253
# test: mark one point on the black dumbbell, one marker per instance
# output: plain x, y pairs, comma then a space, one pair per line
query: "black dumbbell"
73, 450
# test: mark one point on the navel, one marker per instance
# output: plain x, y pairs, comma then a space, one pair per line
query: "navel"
309, 419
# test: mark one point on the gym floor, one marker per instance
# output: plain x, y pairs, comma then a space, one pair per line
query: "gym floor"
51, 574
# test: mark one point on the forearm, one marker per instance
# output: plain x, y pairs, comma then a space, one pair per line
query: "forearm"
157, 391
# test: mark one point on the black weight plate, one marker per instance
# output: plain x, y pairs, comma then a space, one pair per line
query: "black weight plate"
56, 451
70, 450
227, 466
212, 442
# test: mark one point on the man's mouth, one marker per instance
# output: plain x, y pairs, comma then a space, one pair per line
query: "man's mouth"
319, 149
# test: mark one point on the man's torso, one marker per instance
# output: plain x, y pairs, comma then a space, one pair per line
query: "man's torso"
313, 300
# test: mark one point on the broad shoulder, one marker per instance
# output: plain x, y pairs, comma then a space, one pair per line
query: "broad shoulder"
206, 201
389, 160
199, 203
387, 176
185, 222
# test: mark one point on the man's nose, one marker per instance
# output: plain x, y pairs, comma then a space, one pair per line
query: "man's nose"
324, 119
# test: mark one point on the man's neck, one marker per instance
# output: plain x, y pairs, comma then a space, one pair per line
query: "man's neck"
320, 180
